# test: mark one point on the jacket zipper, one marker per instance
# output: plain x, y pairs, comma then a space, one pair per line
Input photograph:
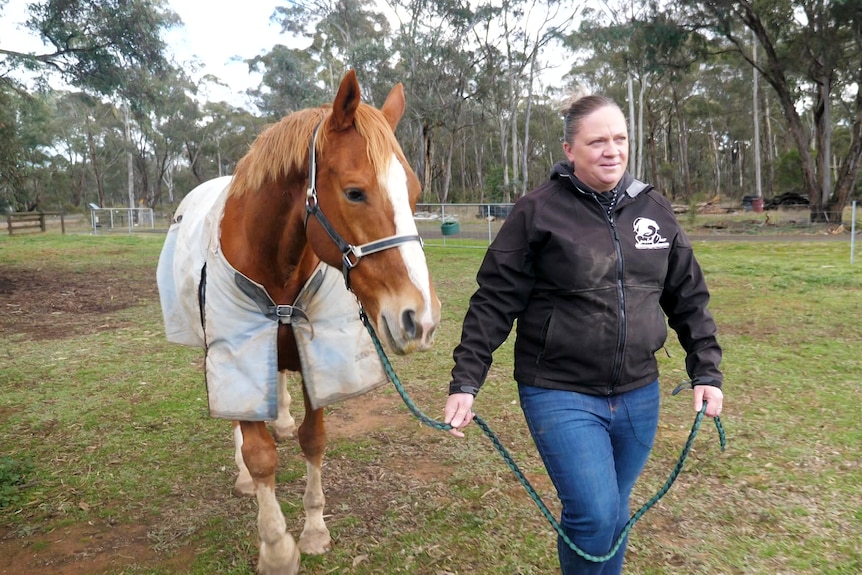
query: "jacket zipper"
618, 358
618, 355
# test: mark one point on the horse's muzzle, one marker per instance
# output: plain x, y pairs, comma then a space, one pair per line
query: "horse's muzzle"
408, 333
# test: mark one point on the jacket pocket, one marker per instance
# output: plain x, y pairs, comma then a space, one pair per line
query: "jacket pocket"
545, 336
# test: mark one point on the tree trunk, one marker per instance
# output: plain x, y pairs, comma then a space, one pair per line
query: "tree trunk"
716, 158
513, 127
653, 154
640, 145
849, 170
768, 139
683, 147
427, 142
447, 172
504, 148
97, 170
525, 155
773, 73
130, 166
478, 143
756, 117
633, 142
823, 142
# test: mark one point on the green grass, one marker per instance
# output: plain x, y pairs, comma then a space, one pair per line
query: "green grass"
108, 426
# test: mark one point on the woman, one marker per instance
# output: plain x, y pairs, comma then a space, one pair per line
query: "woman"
589, 263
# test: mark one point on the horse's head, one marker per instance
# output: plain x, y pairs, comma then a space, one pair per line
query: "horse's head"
362, 191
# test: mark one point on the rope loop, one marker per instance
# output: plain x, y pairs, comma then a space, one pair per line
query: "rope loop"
504, 453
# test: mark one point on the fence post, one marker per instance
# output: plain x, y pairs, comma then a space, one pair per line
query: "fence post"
853, 233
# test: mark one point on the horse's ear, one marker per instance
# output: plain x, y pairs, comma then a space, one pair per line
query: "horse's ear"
345, 103
394, 106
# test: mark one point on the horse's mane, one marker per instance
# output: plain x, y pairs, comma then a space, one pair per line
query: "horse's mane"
282, 148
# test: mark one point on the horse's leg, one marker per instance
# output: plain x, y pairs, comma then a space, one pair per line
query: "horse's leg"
284, 427
314, 538
279, 554
244, 486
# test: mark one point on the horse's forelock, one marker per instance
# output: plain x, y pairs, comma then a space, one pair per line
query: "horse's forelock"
380, 139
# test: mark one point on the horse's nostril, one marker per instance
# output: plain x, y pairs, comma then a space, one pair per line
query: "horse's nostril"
408, 322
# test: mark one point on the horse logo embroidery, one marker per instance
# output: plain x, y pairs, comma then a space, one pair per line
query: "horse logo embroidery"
647, 236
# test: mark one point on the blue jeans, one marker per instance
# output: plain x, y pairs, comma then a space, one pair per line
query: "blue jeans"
594, 448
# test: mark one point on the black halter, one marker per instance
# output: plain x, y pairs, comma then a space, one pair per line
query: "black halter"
350, 254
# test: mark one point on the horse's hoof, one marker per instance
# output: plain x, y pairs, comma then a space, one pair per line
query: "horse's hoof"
244, 488
284, 433
281, 558
315, 542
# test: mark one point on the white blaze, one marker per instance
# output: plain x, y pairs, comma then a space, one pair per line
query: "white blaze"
405, 225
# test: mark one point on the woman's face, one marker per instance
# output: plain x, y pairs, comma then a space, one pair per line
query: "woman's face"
600, 150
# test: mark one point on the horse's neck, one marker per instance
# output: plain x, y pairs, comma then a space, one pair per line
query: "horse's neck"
265, 240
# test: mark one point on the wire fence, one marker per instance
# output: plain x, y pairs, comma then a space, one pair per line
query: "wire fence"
460, 225
121, 219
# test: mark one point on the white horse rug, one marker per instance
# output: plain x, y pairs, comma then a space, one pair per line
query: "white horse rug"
207, 303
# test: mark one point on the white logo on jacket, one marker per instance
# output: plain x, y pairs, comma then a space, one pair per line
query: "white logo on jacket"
647, 236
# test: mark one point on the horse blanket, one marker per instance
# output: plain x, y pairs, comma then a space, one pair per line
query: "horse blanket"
207, 303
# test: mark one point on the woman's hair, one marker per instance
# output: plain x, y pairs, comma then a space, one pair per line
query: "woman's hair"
579, 105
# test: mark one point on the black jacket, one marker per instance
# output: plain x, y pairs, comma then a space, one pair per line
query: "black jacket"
590, 293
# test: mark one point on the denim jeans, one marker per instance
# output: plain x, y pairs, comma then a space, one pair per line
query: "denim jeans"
594, 448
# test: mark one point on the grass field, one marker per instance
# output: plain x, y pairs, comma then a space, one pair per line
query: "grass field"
109, 462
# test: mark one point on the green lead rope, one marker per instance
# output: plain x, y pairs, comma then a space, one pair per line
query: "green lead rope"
520, 475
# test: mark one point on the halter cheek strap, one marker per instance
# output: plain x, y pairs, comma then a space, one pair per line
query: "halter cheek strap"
350, 254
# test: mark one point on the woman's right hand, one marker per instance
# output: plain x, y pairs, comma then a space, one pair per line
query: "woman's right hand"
458, 412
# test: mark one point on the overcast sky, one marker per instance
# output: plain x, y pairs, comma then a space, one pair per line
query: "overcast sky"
220, 34
215, 33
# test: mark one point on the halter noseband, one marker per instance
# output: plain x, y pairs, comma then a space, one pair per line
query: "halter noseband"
350, 254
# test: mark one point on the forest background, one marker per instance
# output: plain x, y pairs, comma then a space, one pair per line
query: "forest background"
725, 98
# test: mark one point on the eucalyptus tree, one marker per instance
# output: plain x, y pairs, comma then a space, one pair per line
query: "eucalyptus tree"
224, 133
514, 39
206, 140
11, 149
542, 146
26, 140
170, 101
72, 113
288, 82
343, 34
93, 45
812, 59
90, 137
437, 67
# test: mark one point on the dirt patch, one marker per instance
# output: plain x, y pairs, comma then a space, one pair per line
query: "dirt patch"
52, 303
355, 418
56, 301
75, 549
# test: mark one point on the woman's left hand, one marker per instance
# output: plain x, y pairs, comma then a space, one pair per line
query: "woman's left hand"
712, 396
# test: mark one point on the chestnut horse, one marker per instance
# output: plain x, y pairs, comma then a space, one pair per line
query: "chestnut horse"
327, 184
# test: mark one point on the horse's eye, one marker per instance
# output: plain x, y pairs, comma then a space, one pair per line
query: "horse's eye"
354, 195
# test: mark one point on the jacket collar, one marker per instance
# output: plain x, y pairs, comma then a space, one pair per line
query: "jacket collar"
564, 172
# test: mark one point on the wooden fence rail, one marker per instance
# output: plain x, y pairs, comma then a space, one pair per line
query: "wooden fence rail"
31, 221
